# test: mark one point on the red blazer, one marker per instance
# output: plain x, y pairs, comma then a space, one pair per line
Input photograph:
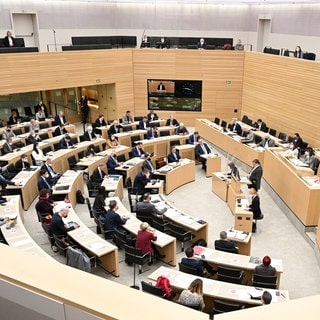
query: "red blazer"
143, 241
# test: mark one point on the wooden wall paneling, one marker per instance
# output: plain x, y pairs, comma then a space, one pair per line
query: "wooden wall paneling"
284, 92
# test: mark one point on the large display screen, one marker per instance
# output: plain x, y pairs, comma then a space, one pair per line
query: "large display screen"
176, 95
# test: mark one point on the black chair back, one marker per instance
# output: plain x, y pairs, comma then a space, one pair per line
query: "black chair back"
187, 269
217, 120
272, 132
282, 136
222, 306
164, 133
160, 224
229, 275
145, 217
44, 136
149, 288
179, 233
46, 150
223, 124
43, 125
260, 281
174, 143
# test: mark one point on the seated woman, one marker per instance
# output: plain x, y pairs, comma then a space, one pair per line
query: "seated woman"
112, 142
265, 269
37, 154
255, 207
99, 201
293, 151
193, 296
90, 151
233, 171
310, 159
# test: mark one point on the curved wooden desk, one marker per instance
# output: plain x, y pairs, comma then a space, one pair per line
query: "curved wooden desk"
29, 185
213, 289
114, 183
102, 249
177, 174
18, 236
243, 262
166, 244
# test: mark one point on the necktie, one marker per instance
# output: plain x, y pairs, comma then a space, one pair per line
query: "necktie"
52, 174
101, 176
90, 137
204, 149
139, 153
150, 164
175, 156
47, 184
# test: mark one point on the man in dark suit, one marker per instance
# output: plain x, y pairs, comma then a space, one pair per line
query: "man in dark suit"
260, 125
137, 151
255, 175
89, 135
172, 122
43, 182
181, 130
53, 176
147, 164
141, 180
22, 164
202, 148
235, 127
223, 244
65, 143
60, 119
99, 174
100, 122
203, 268
144, 123
8, 147
33, 137
194, 138
113, 163
174, 155
60, 130
152, 116
147, 207
161, 87
152, 133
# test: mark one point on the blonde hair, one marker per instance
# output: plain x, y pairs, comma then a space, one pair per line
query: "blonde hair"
144, 225
196, 286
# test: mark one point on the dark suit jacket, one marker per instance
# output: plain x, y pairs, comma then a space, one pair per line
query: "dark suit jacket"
12, 120
57, 131
63, 144
193, 263
192, 139
42, 184
271, 143
6, 148
255, 177
134, 152
263, 126
86, 136
202, 46
255, 207
226, 244
171, 157
236, 128
100, 124
141, 125
112, 164
18, 166
149, 134
52, 180
174, 122
146, 164
113, 130
140, 181
6, 41
32, 139
199, 151
58, 121
155, 117
96, 177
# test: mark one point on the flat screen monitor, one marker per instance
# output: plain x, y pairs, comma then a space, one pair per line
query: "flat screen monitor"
175, 95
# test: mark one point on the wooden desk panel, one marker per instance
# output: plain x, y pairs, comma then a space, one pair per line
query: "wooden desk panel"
220, 185
213, 163
211, 132
186, 151
114, 183
178, 176
29, 186
307, 207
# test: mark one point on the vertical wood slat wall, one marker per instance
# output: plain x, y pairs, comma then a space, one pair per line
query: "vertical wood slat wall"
283, 91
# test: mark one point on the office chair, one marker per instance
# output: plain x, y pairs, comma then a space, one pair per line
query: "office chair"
127, 128
272, 132
17, 131
134, 255
217, 120
96, 215
220, 306
187, 269
232, 250
46, 150
179, 233
93, 188
43, 125
249, 122
282, 136
244, 119
107, 234
72, 161
164, 133
133, 139
82, 138
56, 146
122, 239
121, 158
229, 275
155, 124
60, 245
191, 306
133, 199
160, 224
223, 124
44, 136
149, 288
254, 225
174, 143
49, 234
145, 217
269, 282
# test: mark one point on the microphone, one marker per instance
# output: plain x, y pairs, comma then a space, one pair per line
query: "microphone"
54, 31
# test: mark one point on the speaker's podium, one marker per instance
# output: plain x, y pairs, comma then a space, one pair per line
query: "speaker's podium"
234, 193
243, 218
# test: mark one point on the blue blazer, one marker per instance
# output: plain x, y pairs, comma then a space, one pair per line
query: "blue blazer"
141, 124
191, 139
112, 164
149, 134
134, 152
42, 184
171, 157
199, 151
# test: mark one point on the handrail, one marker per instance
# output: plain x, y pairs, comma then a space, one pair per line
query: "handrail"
60, 105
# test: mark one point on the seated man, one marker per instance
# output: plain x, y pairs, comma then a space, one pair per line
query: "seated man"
8, 133
224, 244
113, 163
100, 122
65, 142
112, 220
266, 297
181, 130
60, 119
172, 122
152, 116
144, 123
235, 127
43, 182
152, 133
22, 164
127, 118
194, 138
141, 180
60, 130
174, 155
33, 137
248, 136
147, 164
9, 146
137, 151
53, 176
203, 268
146, 206
59, 228
99, 174
89, 135
202, 148
267, 142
